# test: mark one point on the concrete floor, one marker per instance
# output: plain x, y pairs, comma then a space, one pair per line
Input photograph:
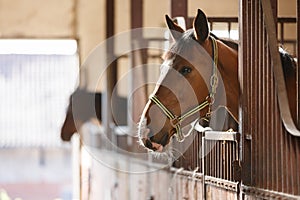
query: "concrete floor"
36, 174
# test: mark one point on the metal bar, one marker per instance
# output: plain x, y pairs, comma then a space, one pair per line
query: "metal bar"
221, 136
244, 68
298, 57
297, 150
203, 166
221, 183
199, 152
261, 193
219, 158
187, 173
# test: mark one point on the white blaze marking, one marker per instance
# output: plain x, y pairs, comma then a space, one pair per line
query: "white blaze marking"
164, 69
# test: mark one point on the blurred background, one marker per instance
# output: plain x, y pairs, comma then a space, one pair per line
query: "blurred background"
42, 46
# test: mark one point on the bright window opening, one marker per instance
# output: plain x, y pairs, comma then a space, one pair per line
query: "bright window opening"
36, 80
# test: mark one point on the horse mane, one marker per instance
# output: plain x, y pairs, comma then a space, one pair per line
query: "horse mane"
288, 63
229, 42
180, 45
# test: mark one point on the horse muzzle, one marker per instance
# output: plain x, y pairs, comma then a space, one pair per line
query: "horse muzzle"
151, 139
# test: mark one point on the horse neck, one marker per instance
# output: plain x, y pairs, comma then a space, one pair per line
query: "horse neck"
228, 69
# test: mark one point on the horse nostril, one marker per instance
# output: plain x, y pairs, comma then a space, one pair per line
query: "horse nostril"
152, 145
148, 144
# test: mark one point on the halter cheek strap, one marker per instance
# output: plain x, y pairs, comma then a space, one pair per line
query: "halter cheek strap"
176, 121
214, 77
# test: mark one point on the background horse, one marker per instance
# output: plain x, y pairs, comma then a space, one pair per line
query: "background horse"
88, 106
193, 68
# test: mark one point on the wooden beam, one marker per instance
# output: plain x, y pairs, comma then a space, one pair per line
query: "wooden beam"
111, 68
179, 8
138, 58
136, 16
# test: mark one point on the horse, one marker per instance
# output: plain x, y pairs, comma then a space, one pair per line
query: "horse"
189, 86
88, 106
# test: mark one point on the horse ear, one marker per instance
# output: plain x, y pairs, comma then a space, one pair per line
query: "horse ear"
175, 30
200, 26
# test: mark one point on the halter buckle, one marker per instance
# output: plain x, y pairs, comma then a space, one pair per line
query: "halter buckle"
175, 122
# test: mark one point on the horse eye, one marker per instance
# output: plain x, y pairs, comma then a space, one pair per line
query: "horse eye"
185, 70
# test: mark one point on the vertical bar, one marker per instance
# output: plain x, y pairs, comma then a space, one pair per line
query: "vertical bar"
297, 150
203, 165
228, 160
295, 142
224, 167
136, 17
229, 28
199, 151
266, 94
210, 158
256, 93
179, 8
281, 32
111, 69
138, 57
75, 19
244, 127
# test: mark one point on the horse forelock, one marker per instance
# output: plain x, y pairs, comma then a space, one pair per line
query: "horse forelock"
164, 68
181, 45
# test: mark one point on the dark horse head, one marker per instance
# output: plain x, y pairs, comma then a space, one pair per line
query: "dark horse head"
85, 105
199, 72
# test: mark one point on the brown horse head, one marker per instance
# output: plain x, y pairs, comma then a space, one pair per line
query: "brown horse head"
189, 85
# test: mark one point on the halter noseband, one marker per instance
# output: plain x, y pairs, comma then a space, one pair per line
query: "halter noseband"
176, 120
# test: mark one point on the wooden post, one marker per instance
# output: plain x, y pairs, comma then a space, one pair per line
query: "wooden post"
179, 8
298, 57
244, 20
138, 58
111, 68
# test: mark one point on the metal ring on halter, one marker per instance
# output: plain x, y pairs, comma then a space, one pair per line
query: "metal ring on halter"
175, 121
211, 99
214, 80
